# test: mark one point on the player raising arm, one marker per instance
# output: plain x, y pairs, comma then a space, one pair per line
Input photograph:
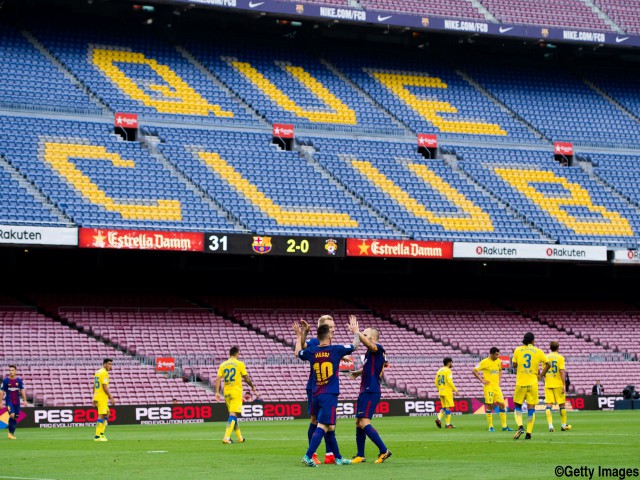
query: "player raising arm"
325, 361
370, 392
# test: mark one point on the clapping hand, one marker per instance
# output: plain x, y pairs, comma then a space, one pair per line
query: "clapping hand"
353, 324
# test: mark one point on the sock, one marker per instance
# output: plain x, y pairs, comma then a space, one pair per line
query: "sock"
447, 416
549, 416
490, 419
372, 433
332, 443
12, 425
230, 426
563, 416
441, 414
503, 417
316, 439
531, 418
100, 426
237, 431
361, 438
312, 428
517, 414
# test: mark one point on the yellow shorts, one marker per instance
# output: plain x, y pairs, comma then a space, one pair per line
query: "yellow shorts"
554, 395
528, 393
233, 401
446, 401
103, 406
493, 395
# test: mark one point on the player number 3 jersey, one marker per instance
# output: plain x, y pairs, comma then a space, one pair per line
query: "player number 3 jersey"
100, 379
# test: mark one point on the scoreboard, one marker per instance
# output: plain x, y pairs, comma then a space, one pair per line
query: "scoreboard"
274, 245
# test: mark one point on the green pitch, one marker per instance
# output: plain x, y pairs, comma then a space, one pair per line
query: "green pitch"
273, 450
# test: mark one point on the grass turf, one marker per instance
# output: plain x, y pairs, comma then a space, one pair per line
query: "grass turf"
274, 449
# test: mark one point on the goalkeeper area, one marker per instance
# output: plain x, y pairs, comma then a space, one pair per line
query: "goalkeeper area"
273, 450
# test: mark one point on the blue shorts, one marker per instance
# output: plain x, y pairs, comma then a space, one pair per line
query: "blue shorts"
310, 409
367, 403
14, 408
326, 405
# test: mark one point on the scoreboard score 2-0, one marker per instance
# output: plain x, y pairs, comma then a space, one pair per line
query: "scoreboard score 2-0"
274, 245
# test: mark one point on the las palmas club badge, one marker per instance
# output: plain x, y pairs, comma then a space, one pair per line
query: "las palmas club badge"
261, 244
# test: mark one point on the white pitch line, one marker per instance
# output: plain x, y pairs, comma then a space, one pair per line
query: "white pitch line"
27, 478
158, 451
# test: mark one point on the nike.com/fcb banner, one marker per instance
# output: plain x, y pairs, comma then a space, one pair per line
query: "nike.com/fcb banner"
65, 417
422, 22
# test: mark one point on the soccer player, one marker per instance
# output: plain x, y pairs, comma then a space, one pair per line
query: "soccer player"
446, 390
12, 390
555, 387
325, 361
491, 369
329, 457
233, 371
371, 372
526, 360
101, 397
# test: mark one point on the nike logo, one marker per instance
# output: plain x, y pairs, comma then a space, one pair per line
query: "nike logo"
254, 5
505, 29
382, 19
621, 39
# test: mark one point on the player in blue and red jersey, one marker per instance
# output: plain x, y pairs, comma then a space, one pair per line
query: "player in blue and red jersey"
12, 390
329, 457
325, 361
371, 373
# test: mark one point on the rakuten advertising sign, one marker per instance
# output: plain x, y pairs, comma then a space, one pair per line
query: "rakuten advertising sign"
626, 256
524, 251
16, 235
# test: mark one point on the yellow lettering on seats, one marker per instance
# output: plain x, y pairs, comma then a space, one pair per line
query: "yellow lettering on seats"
429, 109
340, 113
612, 223
59, 154
178, 96
265, 204
474, 218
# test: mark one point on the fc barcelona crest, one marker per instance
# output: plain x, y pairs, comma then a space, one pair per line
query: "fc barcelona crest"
261, 245
300, 8
425, 21
545, 32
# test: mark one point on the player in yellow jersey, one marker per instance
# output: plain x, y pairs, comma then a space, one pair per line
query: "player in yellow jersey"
233, 371
491, 368
555, 388
101, 398
526, 360
446, 390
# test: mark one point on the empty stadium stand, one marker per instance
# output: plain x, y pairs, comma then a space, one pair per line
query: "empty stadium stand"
205, 161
